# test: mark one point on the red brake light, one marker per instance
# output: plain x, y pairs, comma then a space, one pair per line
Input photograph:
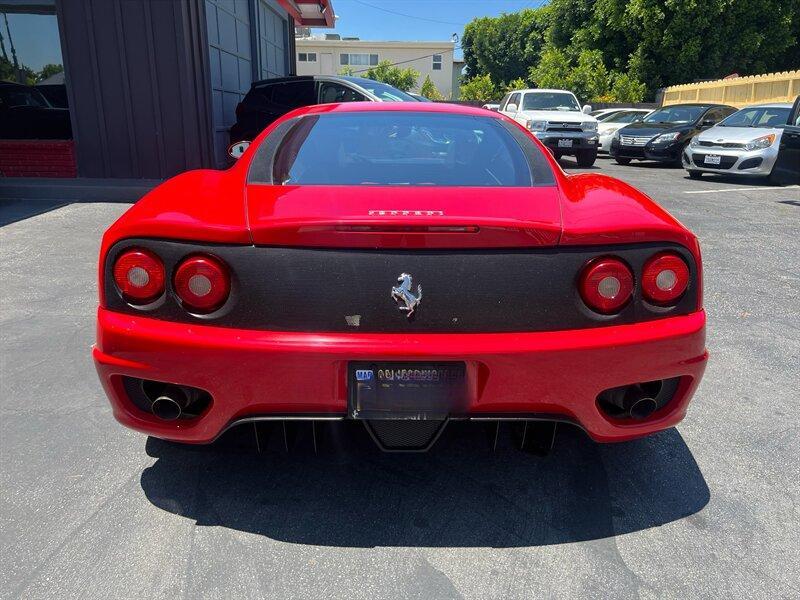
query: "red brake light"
202, 283
664, 279
139, 275
606, 285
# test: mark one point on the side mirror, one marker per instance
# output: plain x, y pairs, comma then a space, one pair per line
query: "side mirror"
587, 108
511, 108
236, 150
706, 123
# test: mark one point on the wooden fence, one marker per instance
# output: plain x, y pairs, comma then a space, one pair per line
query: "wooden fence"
738, 91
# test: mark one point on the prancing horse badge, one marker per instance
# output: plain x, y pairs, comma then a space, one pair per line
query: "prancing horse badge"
406, 299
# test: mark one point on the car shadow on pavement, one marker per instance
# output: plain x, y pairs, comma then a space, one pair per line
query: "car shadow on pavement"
652, 164
460, 494
749, 180
12, 211
573, 164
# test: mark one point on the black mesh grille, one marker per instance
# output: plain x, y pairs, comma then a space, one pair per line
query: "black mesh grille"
402, 435
721, 144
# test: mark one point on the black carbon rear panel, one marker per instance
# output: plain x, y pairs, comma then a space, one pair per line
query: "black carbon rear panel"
306, 289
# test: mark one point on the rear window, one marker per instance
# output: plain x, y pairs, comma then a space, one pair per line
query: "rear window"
13, 97
759, 116
676, 114
384, 91
625, 116
401, 149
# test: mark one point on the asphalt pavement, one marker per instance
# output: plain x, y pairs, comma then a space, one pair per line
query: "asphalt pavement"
708, 509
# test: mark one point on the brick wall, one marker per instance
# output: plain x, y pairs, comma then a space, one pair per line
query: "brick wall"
37, 158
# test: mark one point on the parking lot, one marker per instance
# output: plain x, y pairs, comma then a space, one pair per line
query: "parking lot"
93, 510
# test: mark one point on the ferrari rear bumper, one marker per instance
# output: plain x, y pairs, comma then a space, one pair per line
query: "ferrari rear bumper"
252, 374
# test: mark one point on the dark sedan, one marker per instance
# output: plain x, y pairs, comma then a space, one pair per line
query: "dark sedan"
787, 165
25, 114
663, 134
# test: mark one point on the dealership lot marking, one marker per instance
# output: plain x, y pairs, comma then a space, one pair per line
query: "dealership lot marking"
744, 189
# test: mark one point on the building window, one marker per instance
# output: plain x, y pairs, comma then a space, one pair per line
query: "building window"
437, 62
307, 57
358, 60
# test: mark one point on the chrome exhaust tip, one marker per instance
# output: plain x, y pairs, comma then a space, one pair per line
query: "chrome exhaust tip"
166, 408
636, 401
643, 408
171, 403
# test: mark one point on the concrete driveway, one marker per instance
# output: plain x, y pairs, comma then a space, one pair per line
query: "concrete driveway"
92, 510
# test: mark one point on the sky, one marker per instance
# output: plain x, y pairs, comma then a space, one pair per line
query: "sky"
420, 20
36, 40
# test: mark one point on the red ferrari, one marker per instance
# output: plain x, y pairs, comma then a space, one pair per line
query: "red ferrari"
404, 265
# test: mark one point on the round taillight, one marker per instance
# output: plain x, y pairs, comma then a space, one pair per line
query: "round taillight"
665, 278
202, 284
139, 275
606, 285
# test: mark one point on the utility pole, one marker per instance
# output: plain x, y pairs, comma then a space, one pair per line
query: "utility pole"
17, 71
2, 44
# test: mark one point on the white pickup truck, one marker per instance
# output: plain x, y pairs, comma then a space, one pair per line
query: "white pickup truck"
556, 118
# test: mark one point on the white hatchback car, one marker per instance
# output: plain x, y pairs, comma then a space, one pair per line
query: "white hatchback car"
608, 125
745, 143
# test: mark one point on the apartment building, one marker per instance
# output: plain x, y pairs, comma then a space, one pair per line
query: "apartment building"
331, 54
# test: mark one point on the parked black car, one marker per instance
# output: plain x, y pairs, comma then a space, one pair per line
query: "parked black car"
25, 114
787, 165
269, 99
663, 134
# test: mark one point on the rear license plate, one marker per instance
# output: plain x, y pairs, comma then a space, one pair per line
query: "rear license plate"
407, 390
565, 143
712, 159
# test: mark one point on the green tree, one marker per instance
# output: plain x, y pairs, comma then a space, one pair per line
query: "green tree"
6, 70
24, 74
346, 71
553, 69
664, 42
651, 42
429, 90
48, 71
626, 89
588, 80
479, 88
517, 84
402, 79
587, 77
504, 47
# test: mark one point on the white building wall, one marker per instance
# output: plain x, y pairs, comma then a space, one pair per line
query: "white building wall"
417, 55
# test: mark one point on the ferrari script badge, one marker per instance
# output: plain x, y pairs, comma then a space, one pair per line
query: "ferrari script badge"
406, 299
